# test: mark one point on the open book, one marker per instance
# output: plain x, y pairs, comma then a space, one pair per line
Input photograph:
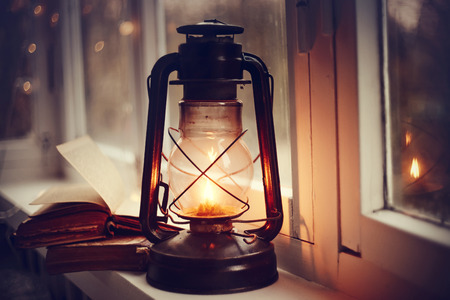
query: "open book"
81, 212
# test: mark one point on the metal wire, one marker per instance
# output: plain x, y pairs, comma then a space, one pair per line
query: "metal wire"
203, 173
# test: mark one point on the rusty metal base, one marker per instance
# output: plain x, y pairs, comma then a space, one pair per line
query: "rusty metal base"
209, 263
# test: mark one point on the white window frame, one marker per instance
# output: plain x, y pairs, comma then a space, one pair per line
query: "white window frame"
396, 255
313, 253
74, 109
356, 247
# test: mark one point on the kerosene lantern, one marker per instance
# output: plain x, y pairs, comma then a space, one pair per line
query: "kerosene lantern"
209, 169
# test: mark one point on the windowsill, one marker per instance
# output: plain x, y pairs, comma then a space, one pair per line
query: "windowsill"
122, 285
412, 226
414, 251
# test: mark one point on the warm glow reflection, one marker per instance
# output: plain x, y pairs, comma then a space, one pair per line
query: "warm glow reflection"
31, 48
212, 155
27, 87
99, 46
55, 18
38, 10
414, 172
126, 28
408, 138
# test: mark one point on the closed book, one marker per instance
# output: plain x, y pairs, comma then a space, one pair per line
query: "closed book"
128, 253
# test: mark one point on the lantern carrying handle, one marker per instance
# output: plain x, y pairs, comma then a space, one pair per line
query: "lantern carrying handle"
262, 94
153, 227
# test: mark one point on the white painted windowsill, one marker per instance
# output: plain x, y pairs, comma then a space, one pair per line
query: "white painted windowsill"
133, 285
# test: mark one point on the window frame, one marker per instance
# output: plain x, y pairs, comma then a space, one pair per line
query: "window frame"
386, 242
313, 254
357, 248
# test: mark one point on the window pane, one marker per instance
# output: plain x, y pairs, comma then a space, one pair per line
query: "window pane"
108, 30
265, 36
419, 94
112, 62
29, 60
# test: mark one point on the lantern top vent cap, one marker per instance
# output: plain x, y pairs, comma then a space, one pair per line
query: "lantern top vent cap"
210, 28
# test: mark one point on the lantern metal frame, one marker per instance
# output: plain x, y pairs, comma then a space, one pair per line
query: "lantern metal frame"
221, 268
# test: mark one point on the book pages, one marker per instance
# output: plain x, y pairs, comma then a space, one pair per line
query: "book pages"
66, 193
96, 168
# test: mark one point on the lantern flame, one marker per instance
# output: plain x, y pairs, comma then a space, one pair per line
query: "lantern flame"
414, 171
209, 206
208, 193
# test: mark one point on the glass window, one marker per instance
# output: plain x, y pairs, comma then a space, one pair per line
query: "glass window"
15, 78
29, 64
30, 88
110, 55
112, 63
418, 69
107, 38
112, 38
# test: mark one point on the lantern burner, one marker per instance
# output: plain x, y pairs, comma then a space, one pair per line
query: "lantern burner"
206, 226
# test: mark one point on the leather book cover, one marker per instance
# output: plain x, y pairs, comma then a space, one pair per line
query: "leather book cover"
126, 253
